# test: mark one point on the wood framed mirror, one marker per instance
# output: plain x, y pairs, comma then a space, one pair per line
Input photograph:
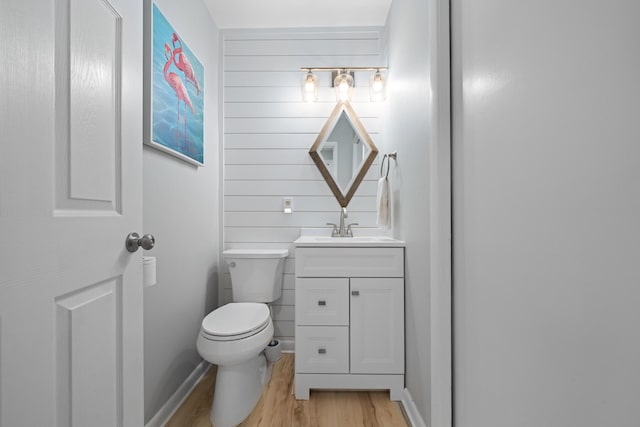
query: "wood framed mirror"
343, 152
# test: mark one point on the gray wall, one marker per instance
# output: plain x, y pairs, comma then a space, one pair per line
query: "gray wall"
547, 202
417, 126
181, 208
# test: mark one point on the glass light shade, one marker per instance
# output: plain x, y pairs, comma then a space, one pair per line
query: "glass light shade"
376, 87
310, 87
344, 87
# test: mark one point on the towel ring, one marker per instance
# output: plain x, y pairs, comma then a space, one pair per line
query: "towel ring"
388, 158
386, 175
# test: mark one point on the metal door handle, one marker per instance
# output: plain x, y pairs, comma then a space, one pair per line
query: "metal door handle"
134, 241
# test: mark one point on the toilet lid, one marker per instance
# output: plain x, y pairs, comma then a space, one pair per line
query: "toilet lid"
236, 318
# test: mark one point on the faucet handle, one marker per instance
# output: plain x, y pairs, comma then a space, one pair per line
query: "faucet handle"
349, 231
334, 232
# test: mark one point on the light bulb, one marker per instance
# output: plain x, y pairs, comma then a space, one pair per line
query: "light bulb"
376, 87
344, 85
310, 87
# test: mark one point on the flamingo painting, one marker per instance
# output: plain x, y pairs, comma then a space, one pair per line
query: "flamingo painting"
183, 64
177, 94
178, 87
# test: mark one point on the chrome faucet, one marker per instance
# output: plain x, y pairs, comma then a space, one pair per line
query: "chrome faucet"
342, 231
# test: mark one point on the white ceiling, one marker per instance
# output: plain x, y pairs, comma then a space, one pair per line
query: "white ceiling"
229, 14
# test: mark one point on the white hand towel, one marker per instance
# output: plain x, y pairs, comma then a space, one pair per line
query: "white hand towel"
383, 203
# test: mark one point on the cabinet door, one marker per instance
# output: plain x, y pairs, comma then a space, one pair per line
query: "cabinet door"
377, 326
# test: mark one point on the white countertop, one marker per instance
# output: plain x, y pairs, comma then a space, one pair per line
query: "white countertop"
322, 238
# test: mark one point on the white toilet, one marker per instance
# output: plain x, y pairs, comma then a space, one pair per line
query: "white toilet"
235, 335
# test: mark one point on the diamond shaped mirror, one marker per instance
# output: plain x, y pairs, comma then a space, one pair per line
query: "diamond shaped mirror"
343, 152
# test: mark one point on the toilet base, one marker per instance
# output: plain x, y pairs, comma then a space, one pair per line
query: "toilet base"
237, 390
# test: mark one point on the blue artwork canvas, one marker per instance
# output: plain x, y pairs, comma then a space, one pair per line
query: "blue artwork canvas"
177, 118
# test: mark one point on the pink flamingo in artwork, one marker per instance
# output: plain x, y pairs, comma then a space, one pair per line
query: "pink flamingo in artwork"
176, 83
183, 64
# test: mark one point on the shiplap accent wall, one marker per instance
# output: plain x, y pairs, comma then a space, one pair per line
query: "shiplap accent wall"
268, 131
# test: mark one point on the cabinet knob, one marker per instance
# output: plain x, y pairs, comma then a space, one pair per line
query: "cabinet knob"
322, 302
355, 293
322, 351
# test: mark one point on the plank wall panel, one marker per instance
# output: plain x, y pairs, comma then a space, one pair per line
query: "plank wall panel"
291, 188
300, 47
257, 235
290, 93
302, 204
276, 188
267, 133
293, 109
285, 79
364, 33
268, 157
263, 125
269, 142
311, 125
276, 141
300, 220
306, 172
293, 63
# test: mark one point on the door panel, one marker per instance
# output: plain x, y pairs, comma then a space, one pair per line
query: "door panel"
95, 74
89, 343
70, 192
88, 106
546, 207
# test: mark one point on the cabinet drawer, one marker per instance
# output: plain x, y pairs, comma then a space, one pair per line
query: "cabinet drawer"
322, 349
322, 302
350, 262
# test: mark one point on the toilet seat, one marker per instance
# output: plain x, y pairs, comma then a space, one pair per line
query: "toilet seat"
235, 321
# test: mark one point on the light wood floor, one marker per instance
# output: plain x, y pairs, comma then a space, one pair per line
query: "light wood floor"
279, 408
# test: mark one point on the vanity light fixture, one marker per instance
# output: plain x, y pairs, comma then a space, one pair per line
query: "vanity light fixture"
343, 82
310, 87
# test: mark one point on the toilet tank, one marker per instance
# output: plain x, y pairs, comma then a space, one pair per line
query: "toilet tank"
256, 274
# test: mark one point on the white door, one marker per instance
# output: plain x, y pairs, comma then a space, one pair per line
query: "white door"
546, 213
377, 325
70, 192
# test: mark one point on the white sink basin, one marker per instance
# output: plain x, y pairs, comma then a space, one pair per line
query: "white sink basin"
382, 241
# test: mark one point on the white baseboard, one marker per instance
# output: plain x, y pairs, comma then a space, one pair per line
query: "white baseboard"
288, 346
171, 406
411, 411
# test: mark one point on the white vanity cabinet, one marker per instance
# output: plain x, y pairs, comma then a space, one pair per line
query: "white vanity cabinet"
349, 319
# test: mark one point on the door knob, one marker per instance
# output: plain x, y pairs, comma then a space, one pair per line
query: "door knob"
134, 241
